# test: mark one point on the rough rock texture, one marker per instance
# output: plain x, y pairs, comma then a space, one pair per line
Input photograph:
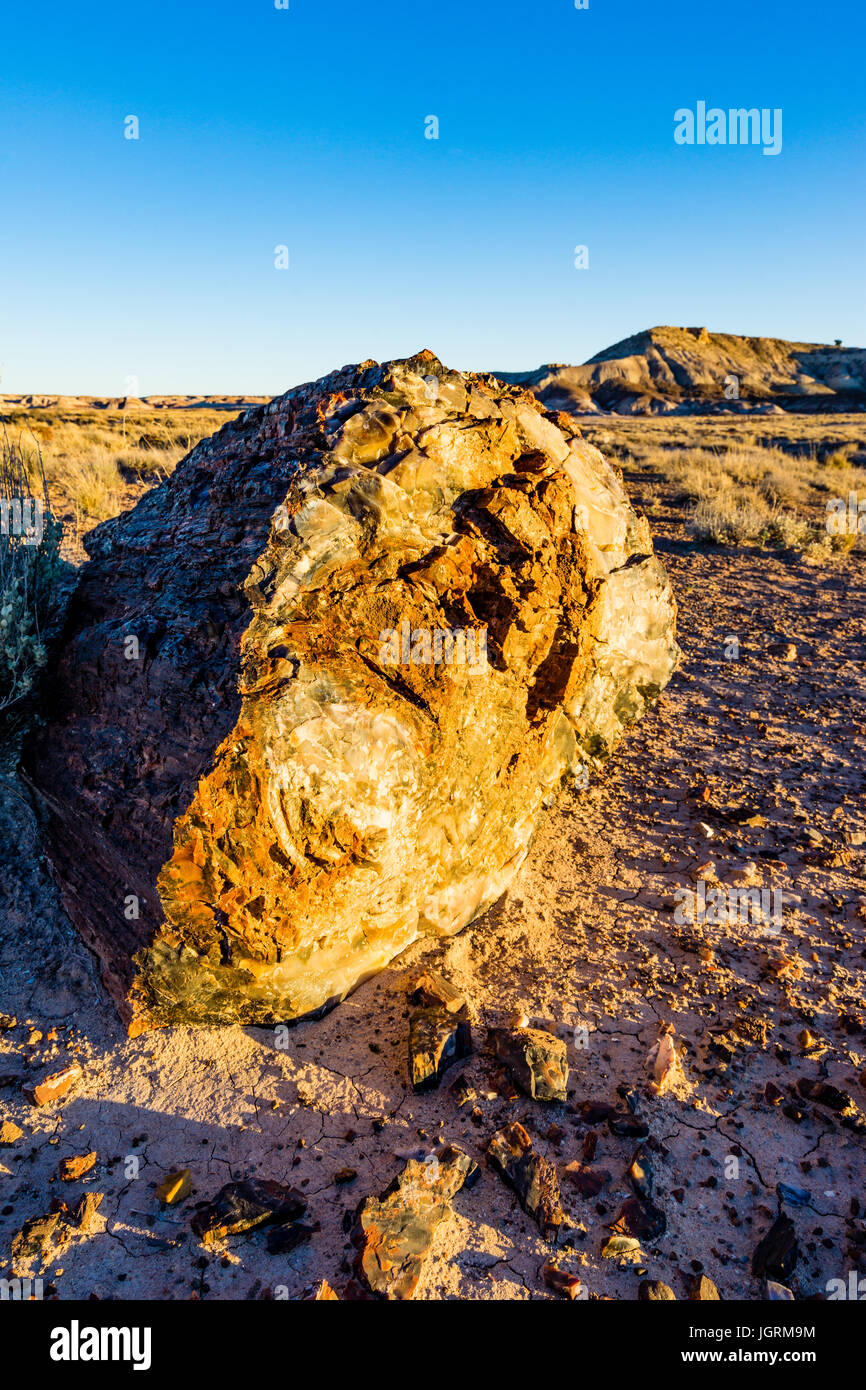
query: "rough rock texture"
393, 1233
437, 1039
530, 1175
243, 1206
253, 799
535, 1059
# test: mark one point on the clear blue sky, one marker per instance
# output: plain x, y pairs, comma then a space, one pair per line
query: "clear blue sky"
260, 127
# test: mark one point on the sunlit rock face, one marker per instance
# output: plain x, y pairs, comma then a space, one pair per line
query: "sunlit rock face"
378, 622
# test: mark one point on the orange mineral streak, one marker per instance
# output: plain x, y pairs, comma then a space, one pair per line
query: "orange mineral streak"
254, 872
326, 408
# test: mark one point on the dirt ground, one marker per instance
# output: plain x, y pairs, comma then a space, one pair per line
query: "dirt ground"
750, 771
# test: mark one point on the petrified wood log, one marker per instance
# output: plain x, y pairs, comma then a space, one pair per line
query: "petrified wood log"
314, 690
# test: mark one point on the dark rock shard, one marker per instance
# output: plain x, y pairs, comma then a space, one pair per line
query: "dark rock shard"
589, 1146
822, 1093
242, 1206
594, 1111
530, 1175
640, 1175
626, 1126
314, 690
393, 1233
288, 1236
535, 1059
640, 1218
588, 1178
629, 1095
437, 1039
794, 1196
654, 1291
777, 1254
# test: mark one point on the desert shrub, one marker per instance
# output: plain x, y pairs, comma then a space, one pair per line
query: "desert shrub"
839, 458
728, 520
753, 495
93, 483
30, 570
738, 517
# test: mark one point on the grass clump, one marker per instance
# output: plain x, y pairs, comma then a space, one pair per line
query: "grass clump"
30, 571
758, 496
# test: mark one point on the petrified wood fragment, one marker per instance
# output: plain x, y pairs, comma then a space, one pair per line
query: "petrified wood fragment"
588, 1178
432, 992
314, 690
777, 1253
243, 1206
530, 1175
535, 1059
437, 1038
393, 1233
641, 1218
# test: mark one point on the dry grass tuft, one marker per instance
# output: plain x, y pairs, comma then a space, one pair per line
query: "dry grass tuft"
30, 570
733, 488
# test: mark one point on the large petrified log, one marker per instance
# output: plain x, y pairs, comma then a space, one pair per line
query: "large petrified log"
314, 690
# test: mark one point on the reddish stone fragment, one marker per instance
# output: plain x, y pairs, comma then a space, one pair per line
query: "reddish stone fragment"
54, 1087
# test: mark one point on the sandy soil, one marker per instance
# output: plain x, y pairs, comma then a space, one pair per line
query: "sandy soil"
751, 761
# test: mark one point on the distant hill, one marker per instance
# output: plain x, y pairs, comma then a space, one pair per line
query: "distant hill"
686, 370
689, 370
129, 403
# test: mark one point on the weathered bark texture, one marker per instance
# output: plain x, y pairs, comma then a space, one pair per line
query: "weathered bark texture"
284, 799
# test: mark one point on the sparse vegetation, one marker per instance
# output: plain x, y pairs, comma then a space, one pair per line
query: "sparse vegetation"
30, 568
735, 487
99, 462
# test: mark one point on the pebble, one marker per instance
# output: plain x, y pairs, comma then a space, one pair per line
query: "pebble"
71, 1169
555, 1278
174, 1187
654, 1291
